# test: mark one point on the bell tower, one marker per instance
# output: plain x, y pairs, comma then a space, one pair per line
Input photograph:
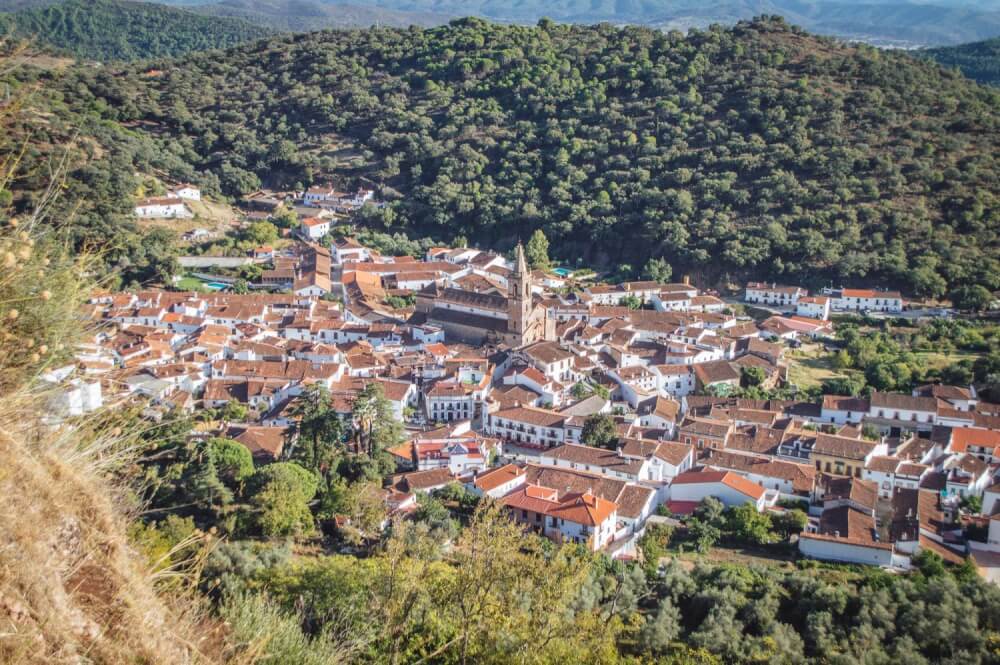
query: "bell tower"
519, 298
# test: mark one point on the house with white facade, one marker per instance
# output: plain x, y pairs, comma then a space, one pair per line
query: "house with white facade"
574, 517
314, 228
864, 300
689, 488
527, 426
163, 208
813, 307
762, 293
186, 191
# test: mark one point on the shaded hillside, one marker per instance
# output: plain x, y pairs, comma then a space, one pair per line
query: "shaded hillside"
979, 61
120, 30
753, 151
305, 15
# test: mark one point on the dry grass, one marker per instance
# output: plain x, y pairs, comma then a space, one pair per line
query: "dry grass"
72, 589
810, 365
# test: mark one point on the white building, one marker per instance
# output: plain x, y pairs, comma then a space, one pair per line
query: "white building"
348, 249
314, 228
528, 426
691, 487
813, 307
773, 294
163, 208
864, 300
186, 191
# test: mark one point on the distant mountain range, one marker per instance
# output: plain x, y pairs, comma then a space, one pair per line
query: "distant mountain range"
126, 30
979, 61
307, 15
892, 23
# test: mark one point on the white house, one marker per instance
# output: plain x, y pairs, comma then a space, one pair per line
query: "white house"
522, 425
498, 482
575, 517
813, 307
773, 294
842, 410
314, 228
165, 208
690, 487
864, 300
349, 249
186, 191
320, 194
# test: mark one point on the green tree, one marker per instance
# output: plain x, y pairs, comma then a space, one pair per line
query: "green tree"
657, 270
376, 427
537, 250
261, 233
599, 431
789, 522
747, 524
232, 460
631, 301
751, 377
661, 629
972, 297
320, 430
279, 500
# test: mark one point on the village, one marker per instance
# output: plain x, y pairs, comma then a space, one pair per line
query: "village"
589, 410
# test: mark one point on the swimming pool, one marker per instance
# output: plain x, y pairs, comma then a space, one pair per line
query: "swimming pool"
562, 272
216, 286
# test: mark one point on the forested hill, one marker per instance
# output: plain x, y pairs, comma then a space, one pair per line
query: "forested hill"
751, 151
979, 61
120, 30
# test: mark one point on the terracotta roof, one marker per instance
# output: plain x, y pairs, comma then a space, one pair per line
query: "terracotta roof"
422, 480
845, 524
532, 416
963, 437
728, 478
260, 441
496, 477
584, 509
841, 446
802, 476
845, 403
902, 402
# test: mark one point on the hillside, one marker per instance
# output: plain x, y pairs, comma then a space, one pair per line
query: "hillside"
754, 151
979, 61
122, 30
306, 16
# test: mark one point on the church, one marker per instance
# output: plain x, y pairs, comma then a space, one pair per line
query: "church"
515, 319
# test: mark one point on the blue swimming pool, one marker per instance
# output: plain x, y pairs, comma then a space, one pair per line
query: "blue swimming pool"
562, 272
216, 286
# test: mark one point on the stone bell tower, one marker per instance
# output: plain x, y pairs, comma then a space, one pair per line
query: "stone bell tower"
519, 299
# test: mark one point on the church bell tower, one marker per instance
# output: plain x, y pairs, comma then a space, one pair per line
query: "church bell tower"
519, 298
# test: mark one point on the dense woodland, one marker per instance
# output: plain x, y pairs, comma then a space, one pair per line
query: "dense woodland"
124, 30
979, 61
752, 151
